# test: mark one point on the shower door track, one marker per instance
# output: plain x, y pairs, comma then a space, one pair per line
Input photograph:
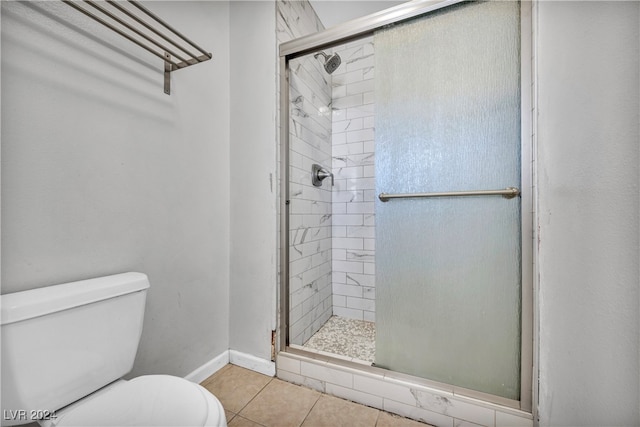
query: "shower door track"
366, 26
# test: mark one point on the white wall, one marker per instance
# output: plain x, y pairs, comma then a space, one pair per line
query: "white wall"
253, 177
103, 173
588, 99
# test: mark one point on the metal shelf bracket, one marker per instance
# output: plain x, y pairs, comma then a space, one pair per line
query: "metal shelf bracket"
167, 74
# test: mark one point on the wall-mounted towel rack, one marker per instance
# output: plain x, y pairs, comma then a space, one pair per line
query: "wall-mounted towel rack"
169, 46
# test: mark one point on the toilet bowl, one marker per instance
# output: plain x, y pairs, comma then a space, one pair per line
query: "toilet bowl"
65, 349
151, 400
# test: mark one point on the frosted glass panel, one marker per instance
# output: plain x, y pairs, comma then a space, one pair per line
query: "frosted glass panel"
448, 269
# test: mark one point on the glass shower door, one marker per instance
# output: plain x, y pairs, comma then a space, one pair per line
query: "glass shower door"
448, 268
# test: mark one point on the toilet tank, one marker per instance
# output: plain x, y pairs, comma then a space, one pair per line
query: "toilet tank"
62, 342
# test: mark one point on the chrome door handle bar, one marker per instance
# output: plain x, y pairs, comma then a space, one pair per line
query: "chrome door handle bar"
507, 193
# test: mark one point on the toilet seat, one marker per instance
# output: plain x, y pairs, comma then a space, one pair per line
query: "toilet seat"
150, 400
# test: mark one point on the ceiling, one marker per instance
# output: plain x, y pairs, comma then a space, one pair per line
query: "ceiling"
334, 12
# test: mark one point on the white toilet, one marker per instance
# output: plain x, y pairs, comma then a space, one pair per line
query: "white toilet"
65, 349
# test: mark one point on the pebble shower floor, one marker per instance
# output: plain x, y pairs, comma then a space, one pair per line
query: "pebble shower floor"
351, 338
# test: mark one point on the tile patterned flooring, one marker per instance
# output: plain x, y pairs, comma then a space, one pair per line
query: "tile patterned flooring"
346, 337
251, 399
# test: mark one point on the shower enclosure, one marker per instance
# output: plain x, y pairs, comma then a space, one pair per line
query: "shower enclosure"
406, 197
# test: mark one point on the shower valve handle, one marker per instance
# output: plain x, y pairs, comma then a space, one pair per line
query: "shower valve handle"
318, 174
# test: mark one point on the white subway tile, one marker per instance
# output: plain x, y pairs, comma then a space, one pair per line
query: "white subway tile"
349, 148
508, 420
361, 304
360, 135
347, 101
463, 423
323, 373
360, 63
474, 413
360, 208
289, 376
369, 293
359, 111
369, 171
346, 78
348, 196
385, 389
368, 73
362, 183
338, 277
416, 413
361, 231
339, 300
364, 280
369, 268
348, 266
347, 243
348, 172
338, 231
369, 147
370, 220
339, 254
368, 97
338, 114
446, 403
348, 125
355, 172
295, 313
347, 219
354, 395
302, 380
347, 290
360, 255
338, 208
288, 364
368, 48
349, 313
368, 244
368, 122
351, 51
364, 86
339, 91
370, 195
337, 139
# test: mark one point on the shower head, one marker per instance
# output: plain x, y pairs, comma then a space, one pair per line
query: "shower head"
331, 62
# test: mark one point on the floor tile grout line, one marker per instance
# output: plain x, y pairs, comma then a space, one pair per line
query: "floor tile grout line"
311, 409
377, 417
252, 399
254, 422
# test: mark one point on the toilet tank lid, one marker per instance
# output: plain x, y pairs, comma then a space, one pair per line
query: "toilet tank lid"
25, 305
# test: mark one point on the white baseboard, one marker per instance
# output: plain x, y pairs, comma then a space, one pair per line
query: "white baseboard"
254, 363
209, 368
244, 360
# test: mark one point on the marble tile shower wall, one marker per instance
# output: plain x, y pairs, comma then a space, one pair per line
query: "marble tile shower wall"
353, 250
310, 207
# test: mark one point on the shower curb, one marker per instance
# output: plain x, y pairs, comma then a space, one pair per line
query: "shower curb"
411, 400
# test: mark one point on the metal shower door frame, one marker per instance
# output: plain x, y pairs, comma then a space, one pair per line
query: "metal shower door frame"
366, 26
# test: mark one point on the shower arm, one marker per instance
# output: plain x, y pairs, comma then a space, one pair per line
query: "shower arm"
324, 55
